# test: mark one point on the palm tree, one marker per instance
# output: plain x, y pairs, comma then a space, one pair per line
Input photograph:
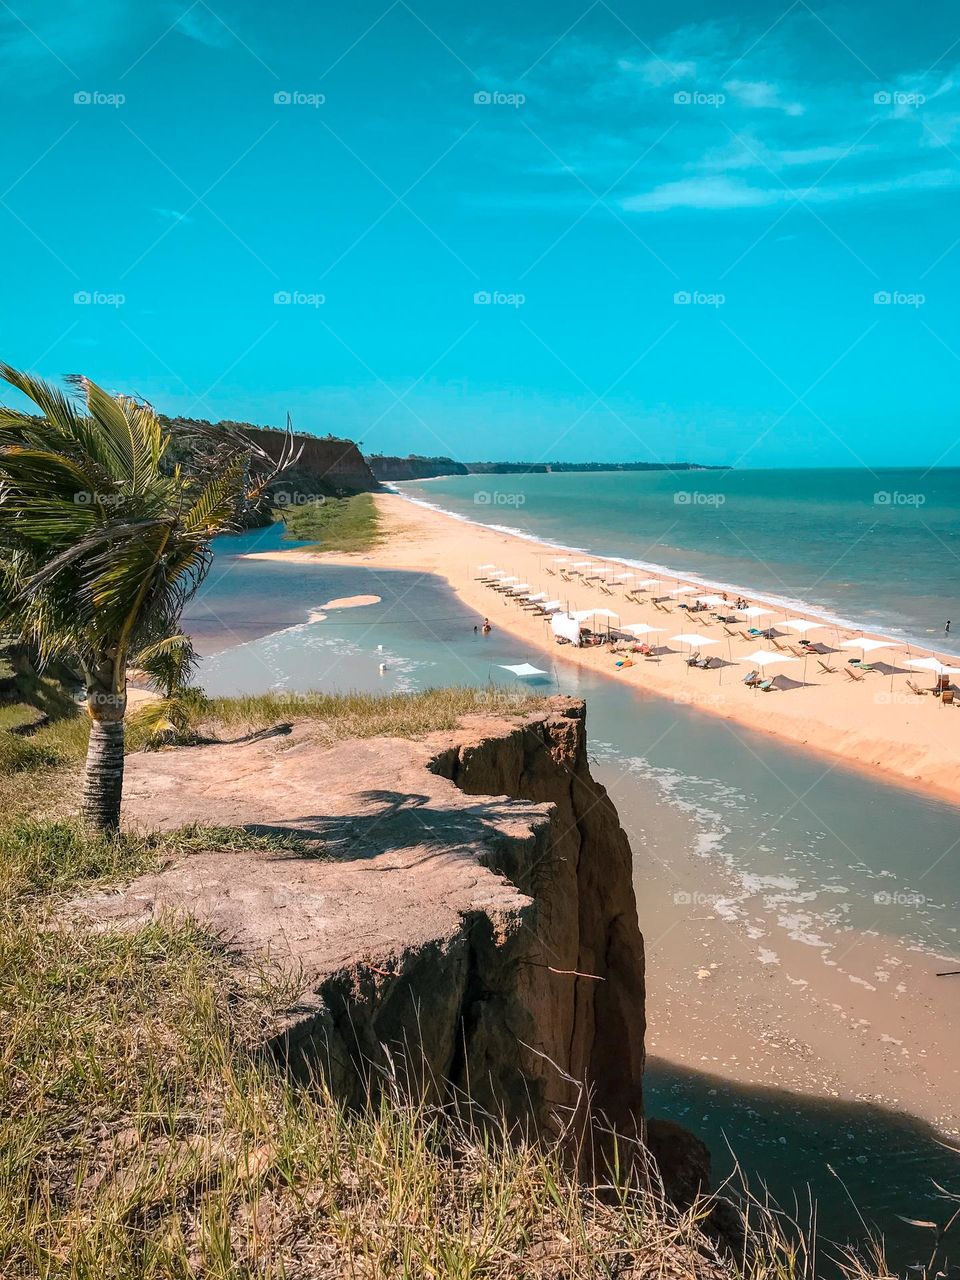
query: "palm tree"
102, 543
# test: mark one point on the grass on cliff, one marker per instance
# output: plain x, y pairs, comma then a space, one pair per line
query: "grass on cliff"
144, 1134
334, 524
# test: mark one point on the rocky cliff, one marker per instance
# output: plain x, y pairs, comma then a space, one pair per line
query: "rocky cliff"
471, 910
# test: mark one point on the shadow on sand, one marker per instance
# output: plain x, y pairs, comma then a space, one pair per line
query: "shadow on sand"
865, 1165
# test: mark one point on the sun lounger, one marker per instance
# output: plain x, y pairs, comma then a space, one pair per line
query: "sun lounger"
752, 677
552, 572
730, 632
851, 674
826, 667
766, 686
946, 697
915, 688
606, 590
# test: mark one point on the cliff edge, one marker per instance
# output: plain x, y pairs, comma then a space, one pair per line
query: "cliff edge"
464, 902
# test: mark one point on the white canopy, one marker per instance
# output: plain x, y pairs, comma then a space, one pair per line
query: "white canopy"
513, 579
752, 611
649, 582
521, 586
691, 639
583, 564
594, 613
481, 567
933, 664
566, 627
641, 628
766, 658
523, 669
867, 646
550, 604
802, 625
538, 595
711, 600
682, 591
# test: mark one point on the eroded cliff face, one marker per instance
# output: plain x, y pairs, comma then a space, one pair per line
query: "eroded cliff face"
473, 915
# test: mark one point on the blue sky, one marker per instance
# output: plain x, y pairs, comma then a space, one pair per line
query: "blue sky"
687, 221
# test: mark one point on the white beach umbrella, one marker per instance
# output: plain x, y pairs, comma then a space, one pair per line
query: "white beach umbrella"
752, 611
519, 588
691, 639
641, 628
711, 600
522, 669
550, 604
766, 658
649, 582
482, 567
538, 595
622, 577
682, 591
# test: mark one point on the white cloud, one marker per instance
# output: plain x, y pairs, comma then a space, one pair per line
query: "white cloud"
762, 95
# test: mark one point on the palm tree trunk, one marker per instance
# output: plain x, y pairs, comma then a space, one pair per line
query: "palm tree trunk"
103, 780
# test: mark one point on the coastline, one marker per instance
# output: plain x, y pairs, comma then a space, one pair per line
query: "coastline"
876, 724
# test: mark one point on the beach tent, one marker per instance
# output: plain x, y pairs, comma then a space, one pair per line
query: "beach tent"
522, 669
566, 627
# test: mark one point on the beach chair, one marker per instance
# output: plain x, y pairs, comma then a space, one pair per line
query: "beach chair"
766, 686
605, 589
776, 644
730, 632
852, 674
947, 697
826, 668
552, 572
915, 688
752, 678
797, 651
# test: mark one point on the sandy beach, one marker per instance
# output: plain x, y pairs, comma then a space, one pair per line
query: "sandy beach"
876, 723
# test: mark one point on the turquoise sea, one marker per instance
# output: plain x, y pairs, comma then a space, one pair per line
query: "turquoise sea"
878, 550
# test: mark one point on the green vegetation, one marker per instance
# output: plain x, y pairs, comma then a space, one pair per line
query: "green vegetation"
101, 545
334, 524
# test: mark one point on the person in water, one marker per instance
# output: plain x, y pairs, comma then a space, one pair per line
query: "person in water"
946, 629
486, 627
